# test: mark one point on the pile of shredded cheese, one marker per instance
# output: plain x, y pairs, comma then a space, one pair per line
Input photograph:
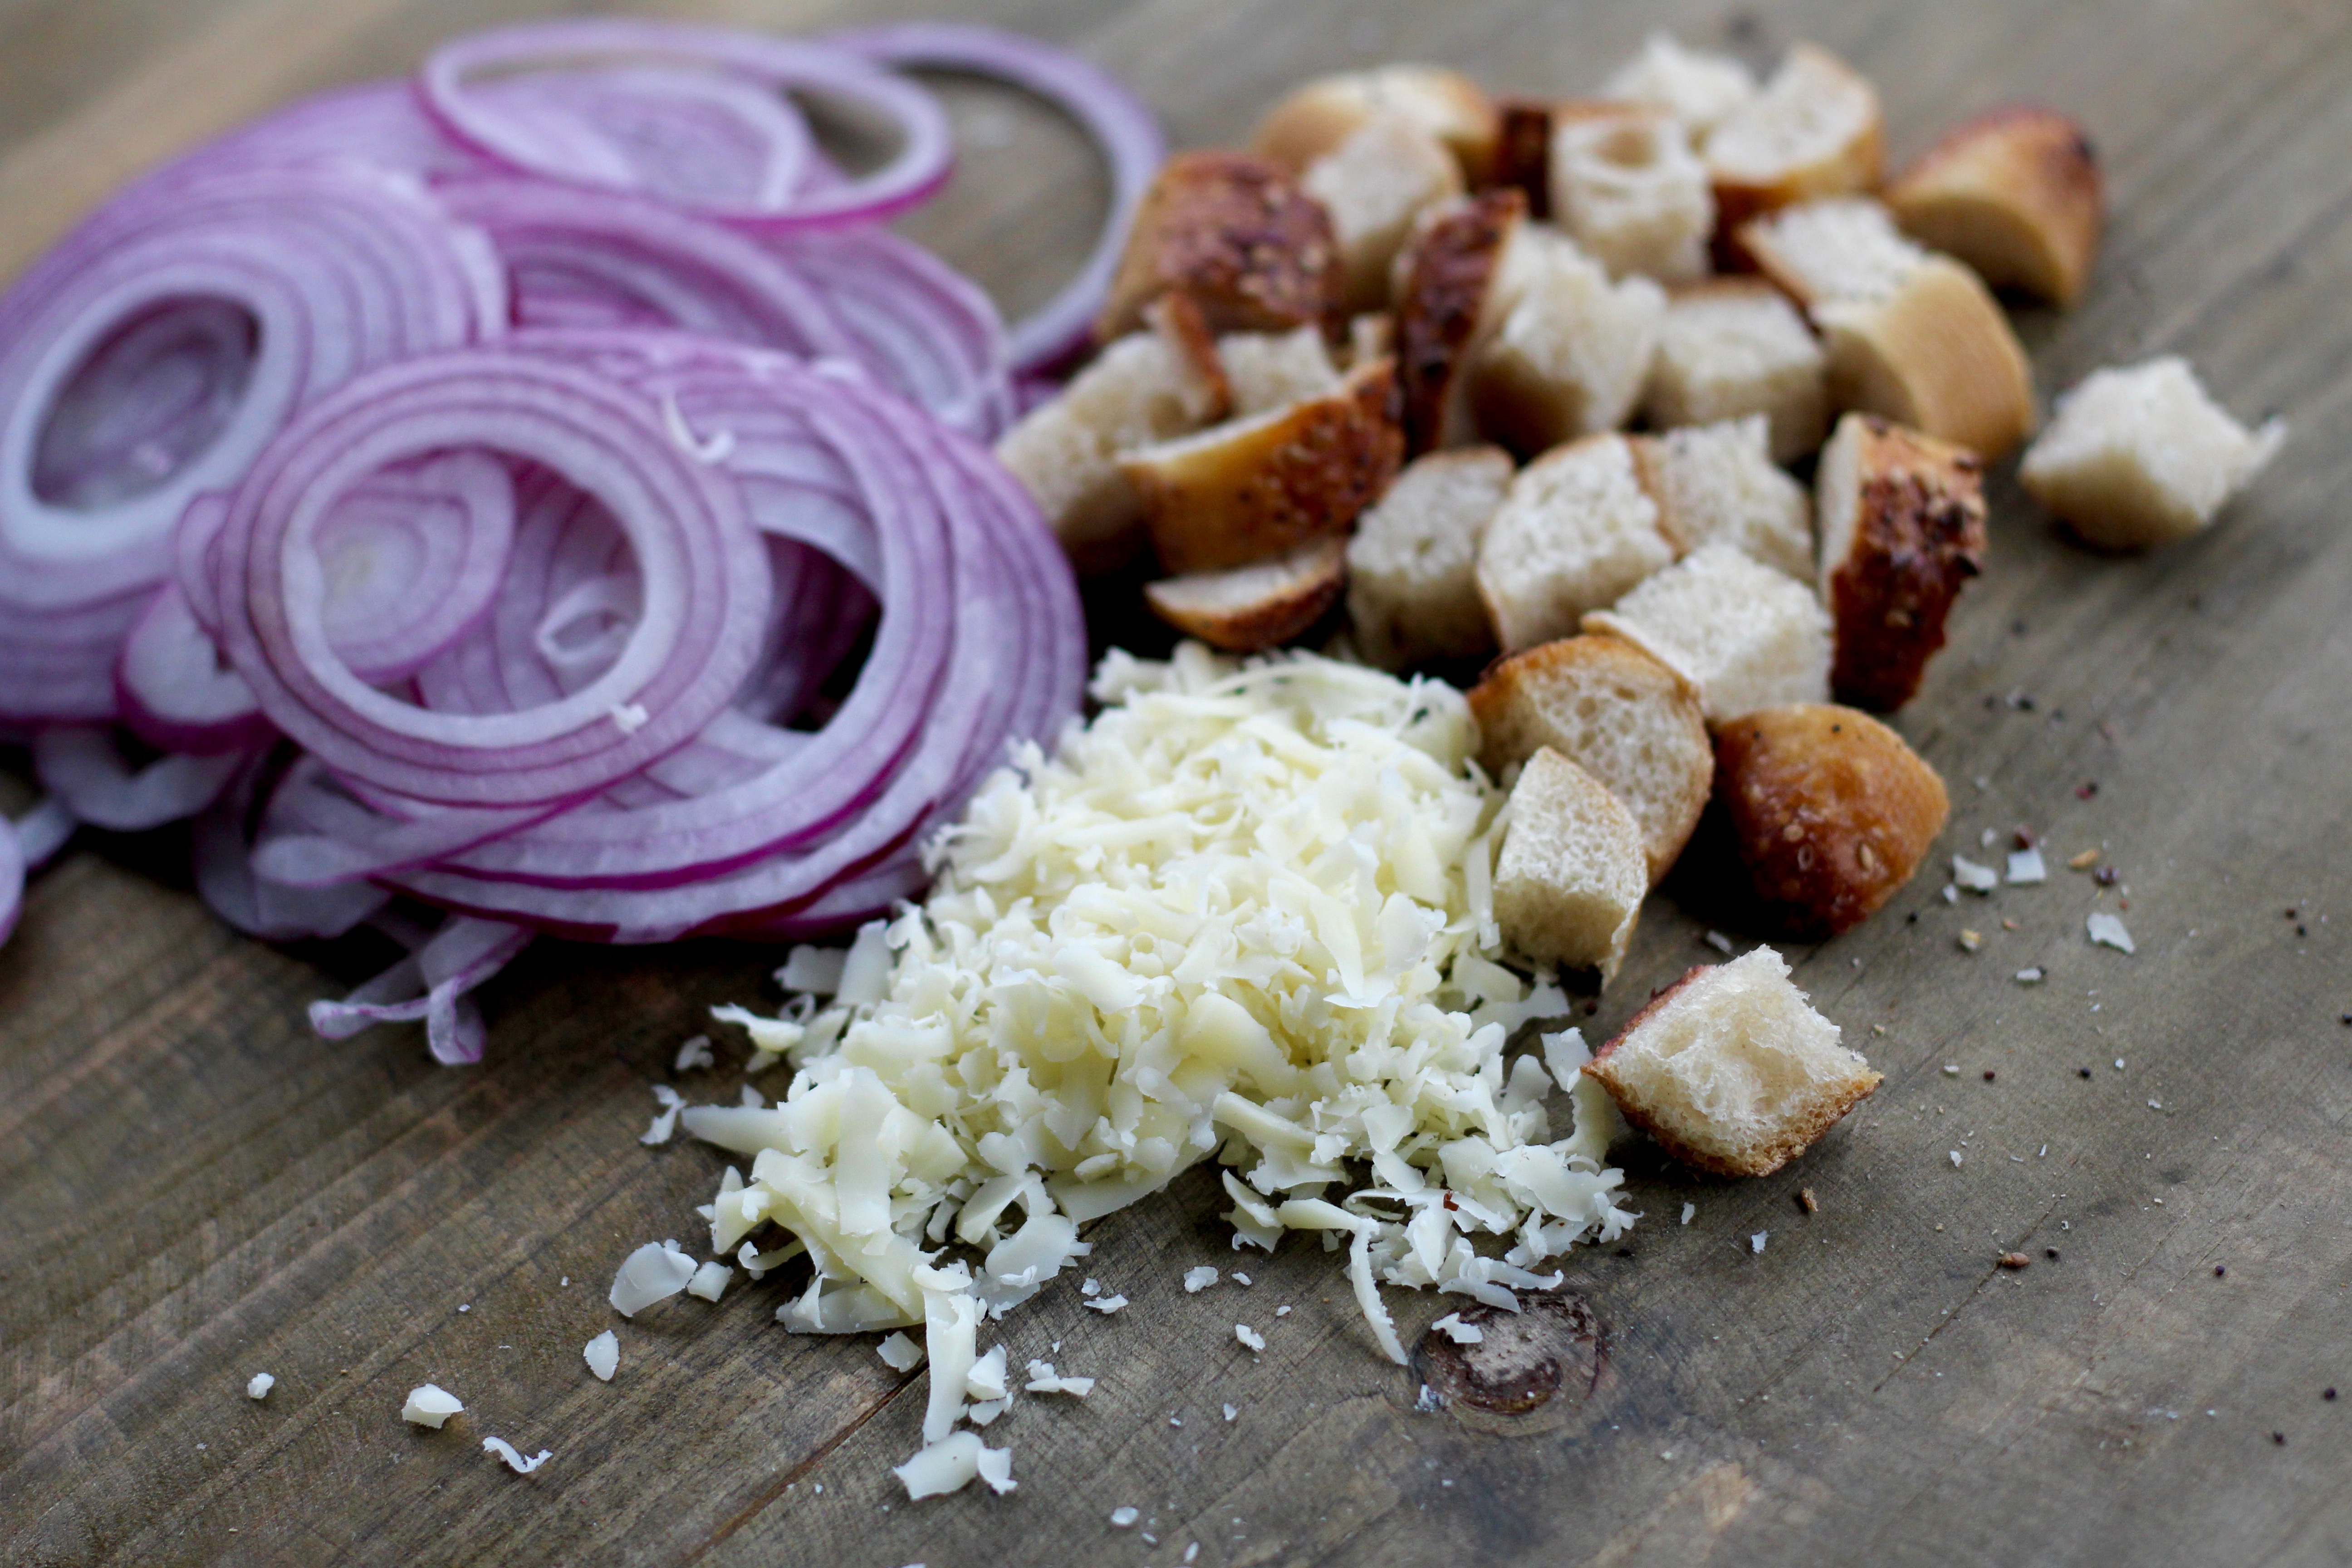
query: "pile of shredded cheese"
1243, 915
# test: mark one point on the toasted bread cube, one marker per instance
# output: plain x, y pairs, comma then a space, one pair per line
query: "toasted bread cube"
1734, 346
1814, 130
1617, 713
1700, 90
1832, 812
1456, 279
2140, 456
1412, 567
1731, 1070
1235, 234
1938, 354
1575, 533
1571, 357
1148, 386
1902, 530
1717, 484
1843, 247
1625, 184
1569, 882
1252, 489
1274, 370
1262, 605
1321, 114
2014, 193
1374, 184
1744, 635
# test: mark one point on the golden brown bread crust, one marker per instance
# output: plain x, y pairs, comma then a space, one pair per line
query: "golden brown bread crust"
1769, 1157
2016, 194
1939, 355
1236, 234
1832, 811
1318, 115
1629, 670
1287, 606
1273, 484
1523, 151
1793, 1140
1441, 300
1918, 539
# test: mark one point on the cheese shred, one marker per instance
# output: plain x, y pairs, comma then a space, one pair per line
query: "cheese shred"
1245, 916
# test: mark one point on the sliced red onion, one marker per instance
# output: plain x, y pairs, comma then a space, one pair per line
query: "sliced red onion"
44, 830
223, 853
81, 765
12, 878
1104, 108
380, 123
174, 691
413, 556
482, 122
430, 984
706, 588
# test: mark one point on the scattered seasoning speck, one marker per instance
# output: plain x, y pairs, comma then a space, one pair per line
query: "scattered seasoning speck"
2015, 1260
2219, 1270
1806, 1201
2051, 1253
2085, 1073
1987, 1075
2086, 789
2279, 1438
2326, 1394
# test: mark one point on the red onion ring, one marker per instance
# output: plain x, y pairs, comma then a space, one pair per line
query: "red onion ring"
707, 593
173, 690
44, 830
1121, 127
80, 765
478, 122
462, 955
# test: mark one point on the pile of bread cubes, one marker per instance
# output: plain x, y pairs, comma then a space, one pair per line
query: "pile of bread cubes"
1388, 356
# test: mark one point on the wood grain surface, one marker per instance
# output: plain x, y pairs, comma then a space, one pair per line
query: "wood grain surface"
194, 1189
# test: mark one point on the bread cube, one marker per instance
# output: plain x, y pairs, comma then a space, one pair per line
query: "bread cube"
1700, 90
1734, 346
1148, 386
1261, 605
1252, 489
1717, 484
1731, 1070
1412, 567
1843, 247
1615, 712
1831, 810
1576, 531
1938, 354
1571, 356
1274, 370
1902, 530
1625, 184
1236, 235
1814, 130
1373, 185
1456, 279
1745, 635
2014, 193
2141, 455
1570, 881
1316, 117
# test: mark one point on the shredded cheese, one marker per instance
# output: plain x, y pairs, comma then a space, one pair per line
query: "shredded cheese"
1245, 916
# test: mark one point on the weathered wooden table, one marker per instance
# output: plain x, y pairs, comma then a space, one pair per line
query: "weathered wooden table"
194, 1189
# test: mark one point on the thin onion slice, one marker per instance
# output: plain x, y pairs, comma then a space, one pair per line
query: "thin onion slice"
81, 765
707, 593
1105, 109
44, 830
431, 984
480, 122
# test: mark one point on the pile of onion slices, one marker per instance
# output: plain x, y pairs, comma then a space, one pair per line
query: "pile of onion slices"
538, 497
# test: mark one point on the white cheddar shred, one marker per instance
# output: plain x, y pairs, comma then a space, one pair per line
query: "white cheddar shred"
429, 1404
1245, 916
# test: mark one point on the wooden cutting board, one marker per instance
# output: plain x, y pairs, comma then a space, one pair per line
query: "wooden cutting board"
194, 1189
